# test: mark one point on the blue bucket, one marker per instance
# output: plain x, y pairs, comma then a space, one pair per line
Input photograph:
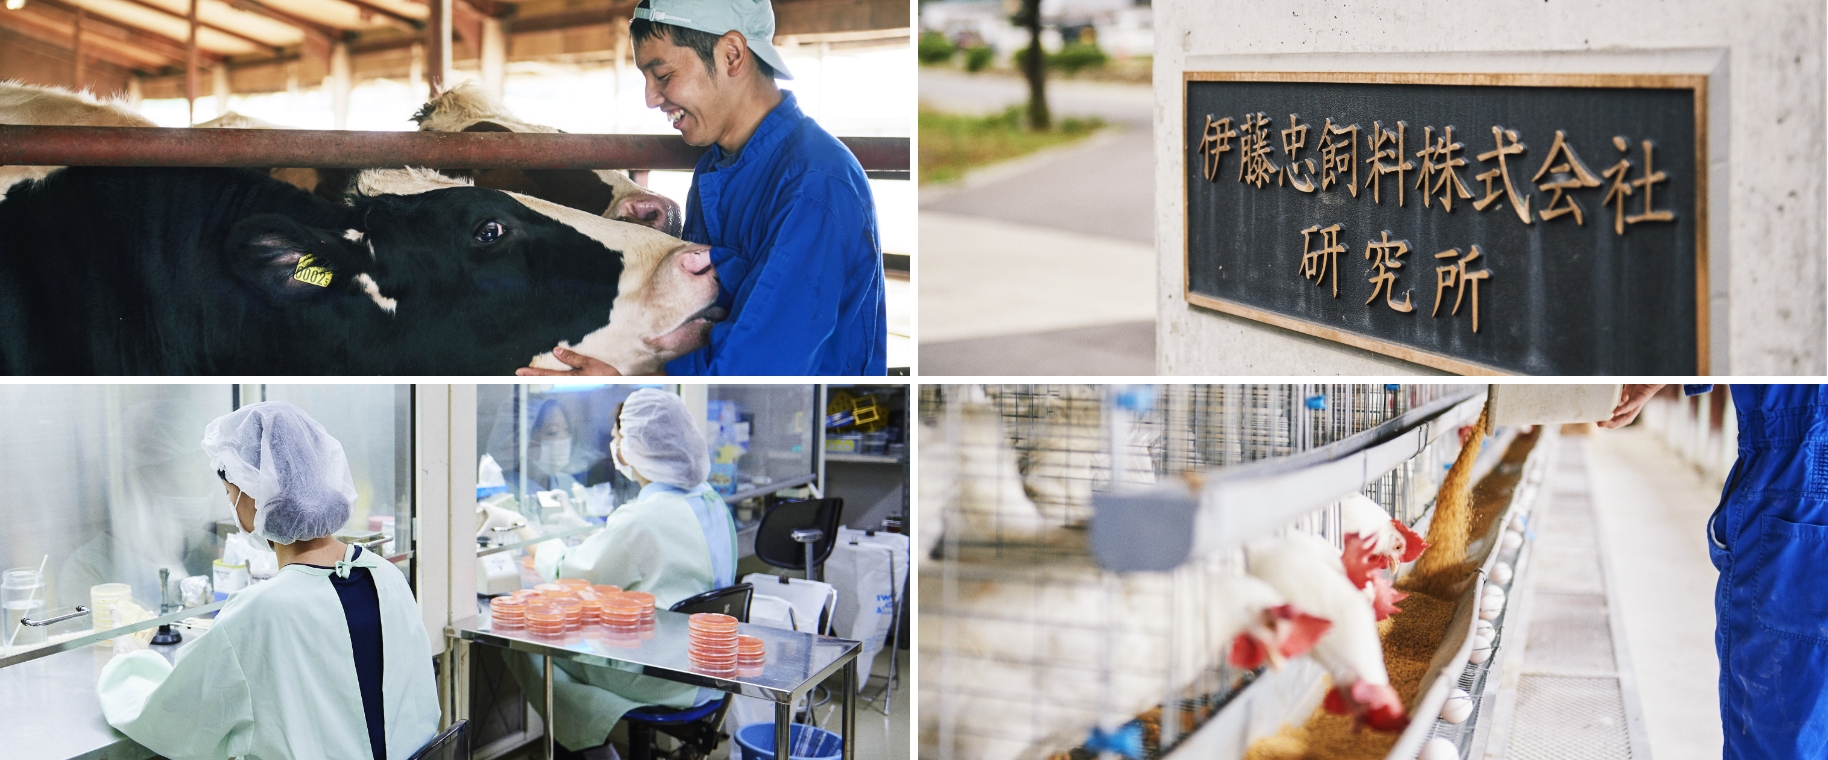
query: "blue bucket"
757, 742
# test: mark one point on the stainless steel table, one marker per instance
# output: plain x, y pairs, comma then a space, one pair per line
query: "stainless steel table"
797, 662
50, 712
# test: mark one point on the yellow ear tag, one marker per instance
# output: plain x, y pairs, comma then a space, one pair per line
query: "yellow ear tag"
307, 272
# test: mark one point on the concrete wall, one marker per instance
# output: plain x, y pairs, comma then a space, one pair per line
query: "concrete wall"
1766, 153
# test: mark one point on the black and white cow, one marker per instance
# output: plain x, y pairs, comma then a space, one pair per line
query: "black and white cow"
229, 271
225, 271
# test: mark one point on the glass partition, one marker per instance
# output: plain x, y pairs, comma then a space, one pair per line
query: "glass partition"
543, 450
108, 484
761, 437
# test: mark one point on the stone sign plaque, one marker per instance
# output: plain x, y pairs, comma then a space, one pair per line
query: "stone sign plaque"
1546, 224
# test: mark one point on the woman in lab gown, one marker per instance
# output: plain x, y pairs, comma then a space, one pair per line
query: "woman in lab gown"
328, 659
674, 541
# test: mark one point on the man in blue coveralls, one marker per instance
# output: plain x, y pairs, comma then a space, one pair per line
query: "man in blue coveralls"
784, 206
1769, 540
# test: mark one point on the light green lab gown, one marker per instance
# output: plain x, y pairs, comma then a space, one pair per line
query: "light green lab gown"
275, 678
653, 544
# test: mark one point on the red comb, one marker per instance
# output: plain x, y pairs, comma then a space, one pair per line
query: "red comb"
1360, 560
1412, 543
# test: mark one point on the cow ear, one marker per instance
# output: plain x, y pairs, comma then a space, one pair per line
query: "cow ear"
286, 261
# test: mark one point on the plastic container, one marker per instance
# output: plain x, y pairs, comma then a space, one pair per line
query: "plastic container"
804, 742
102, 598
22, 595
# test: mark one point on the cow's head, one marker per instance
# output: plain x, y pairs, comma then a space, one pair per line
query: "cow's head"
544, 273
469, 108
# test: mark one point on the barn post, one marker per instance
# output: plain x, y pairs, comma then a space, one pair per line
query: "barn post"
494, 56
135, 90
220, 87
438, 45
415, 75
190, 64
339, 83
76, 49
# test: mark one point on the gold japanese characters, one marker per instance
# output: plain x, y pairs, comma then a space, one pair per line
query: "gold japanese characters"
1437, 166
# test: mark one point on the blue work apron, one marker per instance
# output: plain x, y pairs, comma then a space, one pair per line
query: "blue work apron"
1769, 540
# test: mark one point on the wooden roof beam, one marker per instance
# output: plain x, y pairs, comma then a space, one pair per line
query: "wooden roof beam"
397, 19
206, 25
42, 30
152, 41
317, 36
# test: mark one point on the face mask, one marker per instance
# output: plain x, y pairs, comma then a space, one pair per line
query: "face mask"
553, 455
615, 456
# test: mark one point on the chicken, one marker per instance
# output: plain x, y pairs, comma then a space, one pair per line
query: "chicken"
969, 485
1030, 663
1375, 543
1306, 570
1374, 539
1064, 450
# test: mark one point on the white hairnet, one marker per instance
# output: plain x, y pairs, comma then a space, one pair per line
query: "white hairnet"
295, 471
660, 439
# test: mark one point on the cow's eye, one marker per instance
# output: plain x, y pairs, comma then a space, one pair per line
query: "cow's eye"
490, 232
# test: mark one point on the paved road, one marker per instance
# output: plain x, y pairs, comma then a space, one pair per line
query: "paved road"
1091, 314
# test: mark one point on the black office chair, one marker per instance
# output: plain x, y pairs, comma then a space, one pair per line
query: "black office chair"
695, 727
453, 744
799, 535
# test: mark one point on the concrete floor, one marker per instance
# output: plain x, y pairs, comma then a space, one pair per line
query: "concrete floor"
1653, 510
1044, 264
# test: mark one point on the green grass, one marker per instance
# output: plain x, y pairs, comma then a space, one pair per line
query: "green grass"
950, 143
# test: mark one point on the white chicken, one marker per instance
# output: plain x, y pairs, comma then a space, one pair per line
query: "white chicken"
1065, 451
1022, 667
1375, 543
976, 473
1306, 570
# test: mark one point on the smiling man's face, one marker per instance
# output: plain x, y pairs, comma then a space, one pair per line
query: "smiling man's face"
694, 99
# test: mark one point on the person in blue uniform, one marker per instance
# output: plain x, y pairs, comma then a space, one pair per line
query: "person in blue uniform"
1769, 540
783, 204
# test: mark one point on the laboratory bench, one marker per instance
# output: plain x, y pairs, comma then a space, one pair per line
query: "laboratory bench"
797, 662
52, 712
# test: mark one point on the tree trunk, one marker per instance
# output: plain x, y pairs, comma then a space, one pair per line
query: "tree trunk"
1036, 68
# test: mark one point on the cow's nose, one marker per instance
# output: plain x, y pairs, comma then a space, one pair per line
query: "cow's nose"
696, 261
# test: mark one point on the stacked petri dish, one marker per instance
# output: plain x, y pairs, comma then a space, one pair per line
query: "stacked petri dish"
621, 614
711, 646
574, 584
751, 653
508, 612
573, 609
551, 590
606, 590
545, 619
647, 604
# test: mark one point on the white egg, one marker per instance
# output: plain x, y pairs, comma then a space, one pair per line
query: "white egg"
1512, 540
1482, 651
1492, 594
1484, 628
1501, 574
1490, 612
1458, 707
1519, 522
1438, 748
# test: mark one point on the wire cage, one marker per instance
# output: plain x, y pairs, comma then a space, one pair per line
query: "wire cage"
1029, 649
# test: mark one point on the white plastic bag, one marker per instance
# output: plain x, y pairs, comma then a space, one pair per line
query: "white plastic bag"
870, 573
